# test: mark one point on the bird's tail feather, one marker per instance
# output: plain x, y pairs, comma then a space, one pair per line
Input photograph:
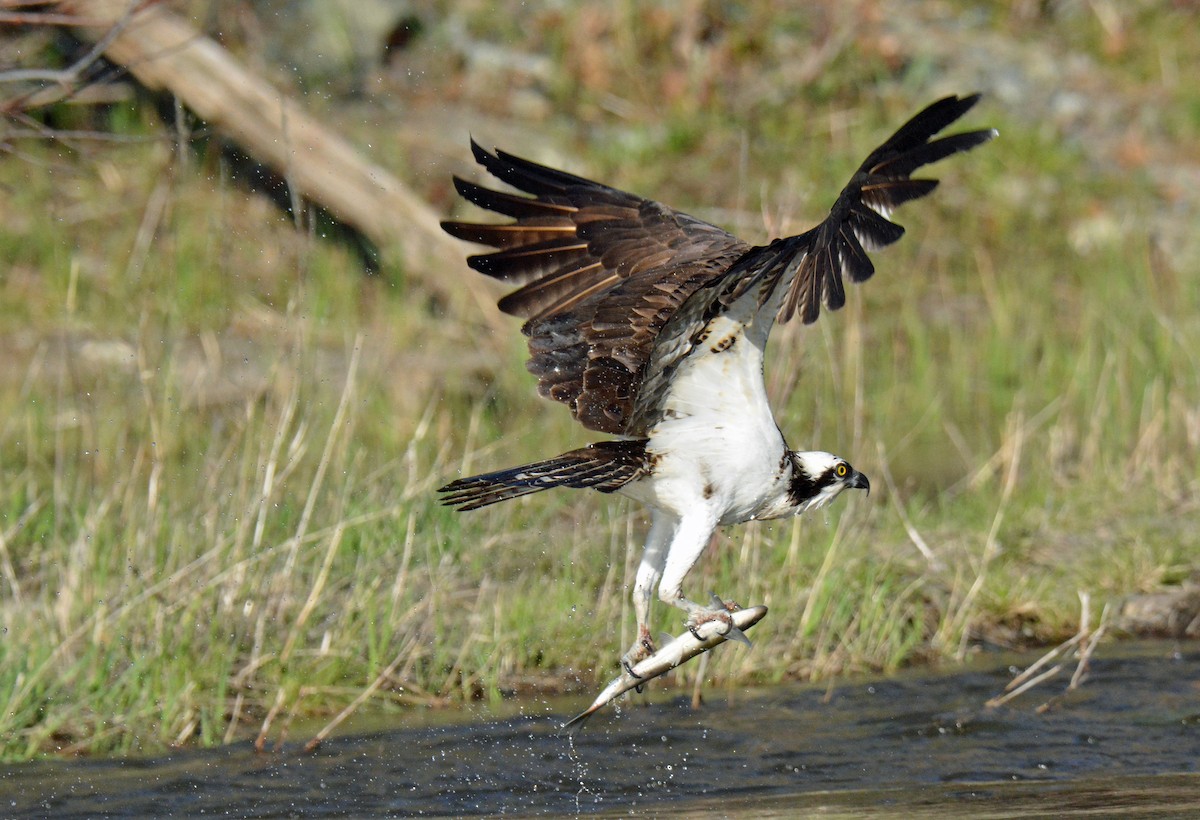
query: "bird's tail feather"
603, 466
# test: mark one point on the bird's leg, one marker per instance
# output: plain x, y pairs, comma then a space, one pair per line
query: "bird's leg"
721, 611
649, 571
642, 648
691, 537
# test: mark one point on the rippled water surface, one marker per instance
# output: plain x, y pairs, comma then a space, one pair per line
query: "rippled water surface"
1128, 742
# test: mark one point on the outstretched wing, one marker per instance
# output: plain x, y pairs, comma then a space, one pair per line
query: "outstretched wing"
811, 265
600, 271
809, 268
617, 290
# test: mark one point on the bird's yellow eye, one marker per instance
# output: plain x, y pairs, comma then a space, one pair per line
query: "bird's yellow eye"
841, 470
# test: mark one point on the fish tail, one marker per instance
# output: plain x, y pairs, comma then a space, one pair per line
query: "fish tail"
574, 726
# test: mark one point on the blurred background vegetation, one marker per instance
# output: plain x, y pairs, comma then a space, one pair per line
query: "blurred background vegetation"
222, 421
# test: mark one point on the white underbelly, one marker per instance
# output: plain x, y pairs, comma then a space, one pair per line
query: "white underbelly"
717, 443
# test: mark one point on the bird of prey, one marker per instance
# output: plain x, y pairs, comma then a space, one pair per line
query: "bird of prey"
650, 325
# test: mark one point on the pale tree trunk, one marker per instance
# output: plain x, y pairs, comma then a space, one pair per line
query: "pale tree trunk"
164, 52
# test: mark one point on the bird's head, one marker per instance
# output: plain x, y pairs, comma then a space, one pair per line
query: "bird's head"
818, 478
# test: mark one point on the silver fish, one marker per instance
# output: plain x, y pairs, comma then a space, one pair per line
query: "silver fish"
679, 649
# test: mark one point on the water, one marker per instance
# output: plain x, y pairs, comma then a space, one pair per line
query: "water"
1128, 742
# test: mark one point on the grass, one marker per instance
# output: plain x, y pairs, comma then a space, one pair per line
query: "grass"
219, 442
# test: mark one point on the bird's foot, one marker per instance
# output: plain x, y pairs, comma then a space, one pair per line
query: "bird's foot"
717, 610
642, 648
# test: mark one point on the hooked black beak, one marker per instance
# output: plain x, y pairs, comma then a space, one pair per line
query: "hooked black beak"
858, 481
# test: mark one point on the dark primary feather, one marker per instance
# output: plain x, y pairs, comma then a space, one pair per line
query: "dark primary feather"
613, 286
812, 265
600, 272
603, 466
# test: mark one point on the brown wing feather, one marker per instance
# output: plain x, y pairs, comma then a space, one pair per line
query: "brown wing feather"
812, 265
616, 289
600, 270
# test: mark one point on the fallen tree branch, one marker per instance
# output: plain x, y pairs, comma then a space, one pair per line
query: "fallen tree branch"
1083, 643
164, 52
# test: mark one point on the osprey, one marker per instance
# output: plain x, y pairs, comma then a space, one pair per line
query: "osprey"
650, 325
